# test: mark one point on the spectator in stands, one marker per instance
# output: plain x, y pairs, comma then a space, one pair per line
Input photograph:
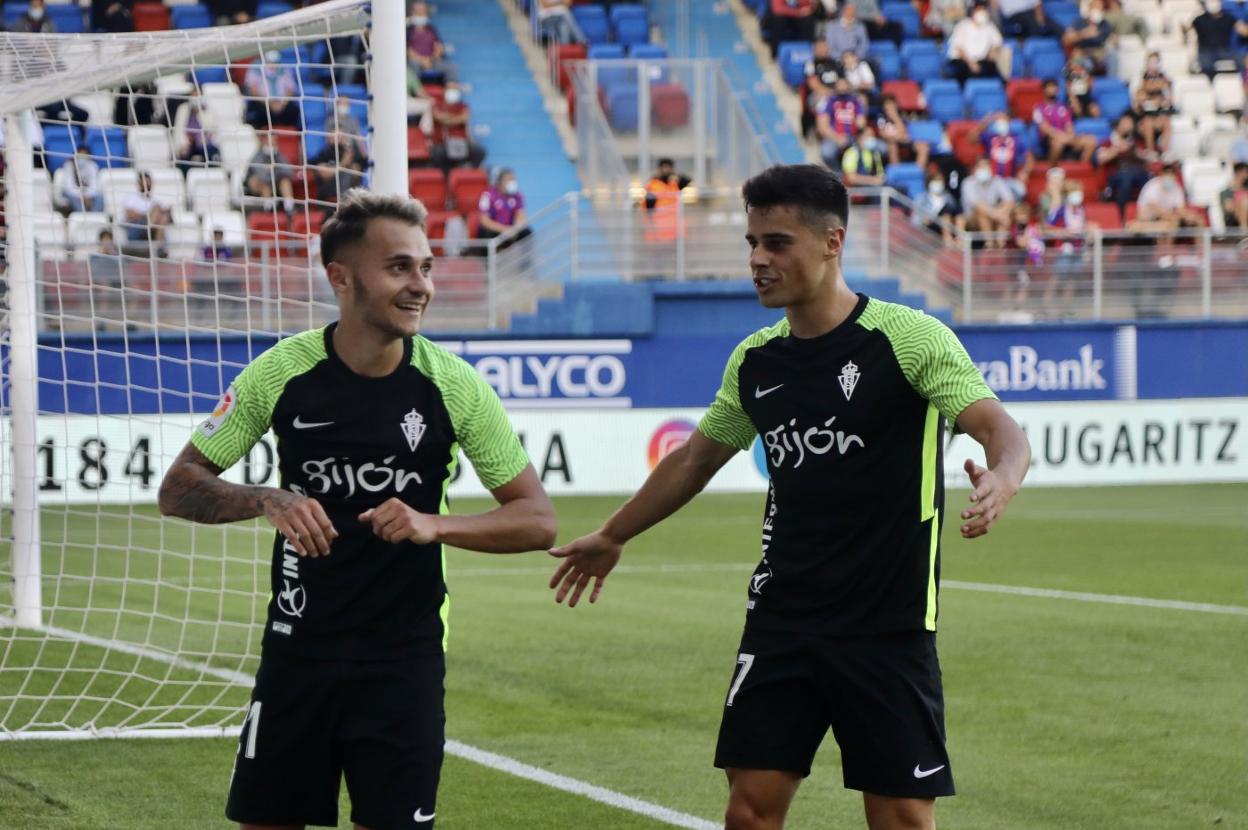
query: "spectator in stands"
1239, 145
1007, 155
338, 167
1154, 104
1163, 204
112, 16
891, 128
557, 24
1054, 190
878, 26
663, 220
193, 125
847, 34
1027, 236
936, 203
1057, 128
145, 217
217, 250
35, 20
1079, 91
822, 70
502, 210
425, 50
1094, 35
1124, 22
80, 182
1234, 199
838, 121
1026, 19
943, 16
346, 53
1125, 161
975, 46
665, 180
861, 78
140, 105
1214, 32
419, 102
271, 88
788, 20
228, 12
1068, 220
862, 162
104, 267
988, 202
269, 176
452, 139
344, 121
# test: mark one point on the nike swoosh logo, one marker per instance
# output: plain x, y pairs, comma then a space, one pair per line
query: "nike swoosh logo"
299, 423
421, 818
758, 393
923, 773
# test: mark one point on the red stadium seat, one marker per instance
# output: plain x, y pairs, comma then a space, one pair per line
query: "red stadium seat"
467, 184
558, 56
429, 186
907, 94
150, 16
290, 142
1024, 95
435, 224
1131, 213
417, 146
669, 106
307, 223
966, 149
1105, 215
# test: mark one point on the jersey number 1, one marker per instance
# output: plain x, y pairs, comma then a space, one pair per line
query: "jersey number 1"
745, 661
251, 726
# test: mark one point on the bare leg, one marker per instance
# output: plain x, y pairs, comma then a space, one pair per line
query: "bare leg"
922, 152
759, 799
885, 813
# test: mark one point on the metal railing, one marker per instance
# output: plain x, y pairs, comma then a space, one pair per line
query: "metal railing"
630, 113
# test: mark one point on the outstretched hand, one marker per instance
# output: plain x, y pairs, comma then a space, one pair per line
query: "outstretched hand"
591, 557
988, 500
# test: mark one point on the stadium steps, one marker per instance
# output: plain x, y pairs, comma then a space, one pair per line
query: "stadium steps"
508, 114
719, 35
617, 309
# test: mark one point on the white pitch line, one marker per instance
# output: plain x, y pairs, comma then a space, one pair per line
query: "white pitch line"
983, 587
491, 760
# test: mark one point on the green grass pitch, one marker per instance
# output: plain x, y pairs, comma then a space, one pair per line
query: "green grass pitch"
1061, 713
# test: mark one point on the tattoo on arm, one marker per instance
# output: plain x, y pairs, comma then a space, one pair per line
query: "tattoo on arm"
193, 490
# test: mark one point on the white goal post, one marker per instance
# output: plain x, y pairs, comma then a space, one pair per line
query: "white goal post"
145, 263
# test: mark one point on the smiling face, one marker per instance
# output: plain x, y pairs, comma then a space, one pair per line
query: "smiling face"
791, 260
383, 282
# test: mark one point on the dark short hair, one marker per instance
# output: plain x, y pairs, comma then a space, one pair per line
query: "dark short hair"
356, 209
1240, 167
811, 188
1048, 81
666, 161
105, 232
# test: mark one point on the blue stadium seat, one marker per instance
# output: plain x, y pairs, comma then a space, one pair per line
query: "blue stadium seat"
620, 11
190, 17
1034, 45
12, 11
792, 58
632, 30
356, 91
887, 65
1098, 127
647, 51
1046, 65
622, 107
915, 47
1062, 12
108, 146
68, 19
593, 22
926, 130
1113, 95
903, 13
315, 112
904, 176
60, 141
271, 8
923, 65
984, 95
945, 105
209, 74
875, 48
599, 51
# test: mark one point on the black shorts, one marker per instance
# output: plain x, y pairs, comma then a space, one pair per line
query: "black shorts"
881, 696
310, 722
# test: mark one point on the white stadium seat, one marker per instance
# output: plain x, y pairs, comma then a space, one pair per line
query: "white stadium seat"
100, 107
169, 189
1194, 96
1228, 93
237, 146
1176, 61
116, 184
232, 222
84, 232
1184, 140
208, 190
1181, 13
173, 85
48, 230
183, 237
225, 102
149, 147
1206, 179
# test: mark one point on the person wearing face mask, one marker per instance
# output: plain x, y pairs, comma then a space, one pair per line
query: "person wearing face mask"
890, 126
847, 34
988, 203
976, 46
425, 51
1079, 91
271, 89
1095, 36
343, 120
1057, 128
269, 176
452, 142
1163, 204
787, 20
1124, 160
35, 21
1006, 153
862, 162
935, 204
861, 78
1068, 222
193, 126
501, 208
1234, 199
838, 119
822, 71
1214, 34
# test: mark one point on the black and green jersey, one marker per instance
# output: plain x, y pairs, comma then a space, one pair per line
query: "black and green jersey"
851, 424
352, 442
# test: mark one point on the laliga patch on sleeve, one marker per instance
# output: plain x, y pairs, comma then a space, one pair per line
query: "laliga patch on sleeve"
214, 422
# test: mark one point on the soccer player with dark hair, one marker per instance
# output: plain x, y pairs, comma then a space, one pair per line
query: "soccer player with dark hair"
849, 395
369, 419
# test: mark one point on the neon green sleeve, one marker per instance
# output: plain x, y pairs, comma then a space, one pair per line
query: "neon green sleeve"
725, 420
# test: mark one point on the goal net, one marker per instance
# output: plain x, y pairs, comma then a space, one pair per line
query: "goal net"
164, 192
